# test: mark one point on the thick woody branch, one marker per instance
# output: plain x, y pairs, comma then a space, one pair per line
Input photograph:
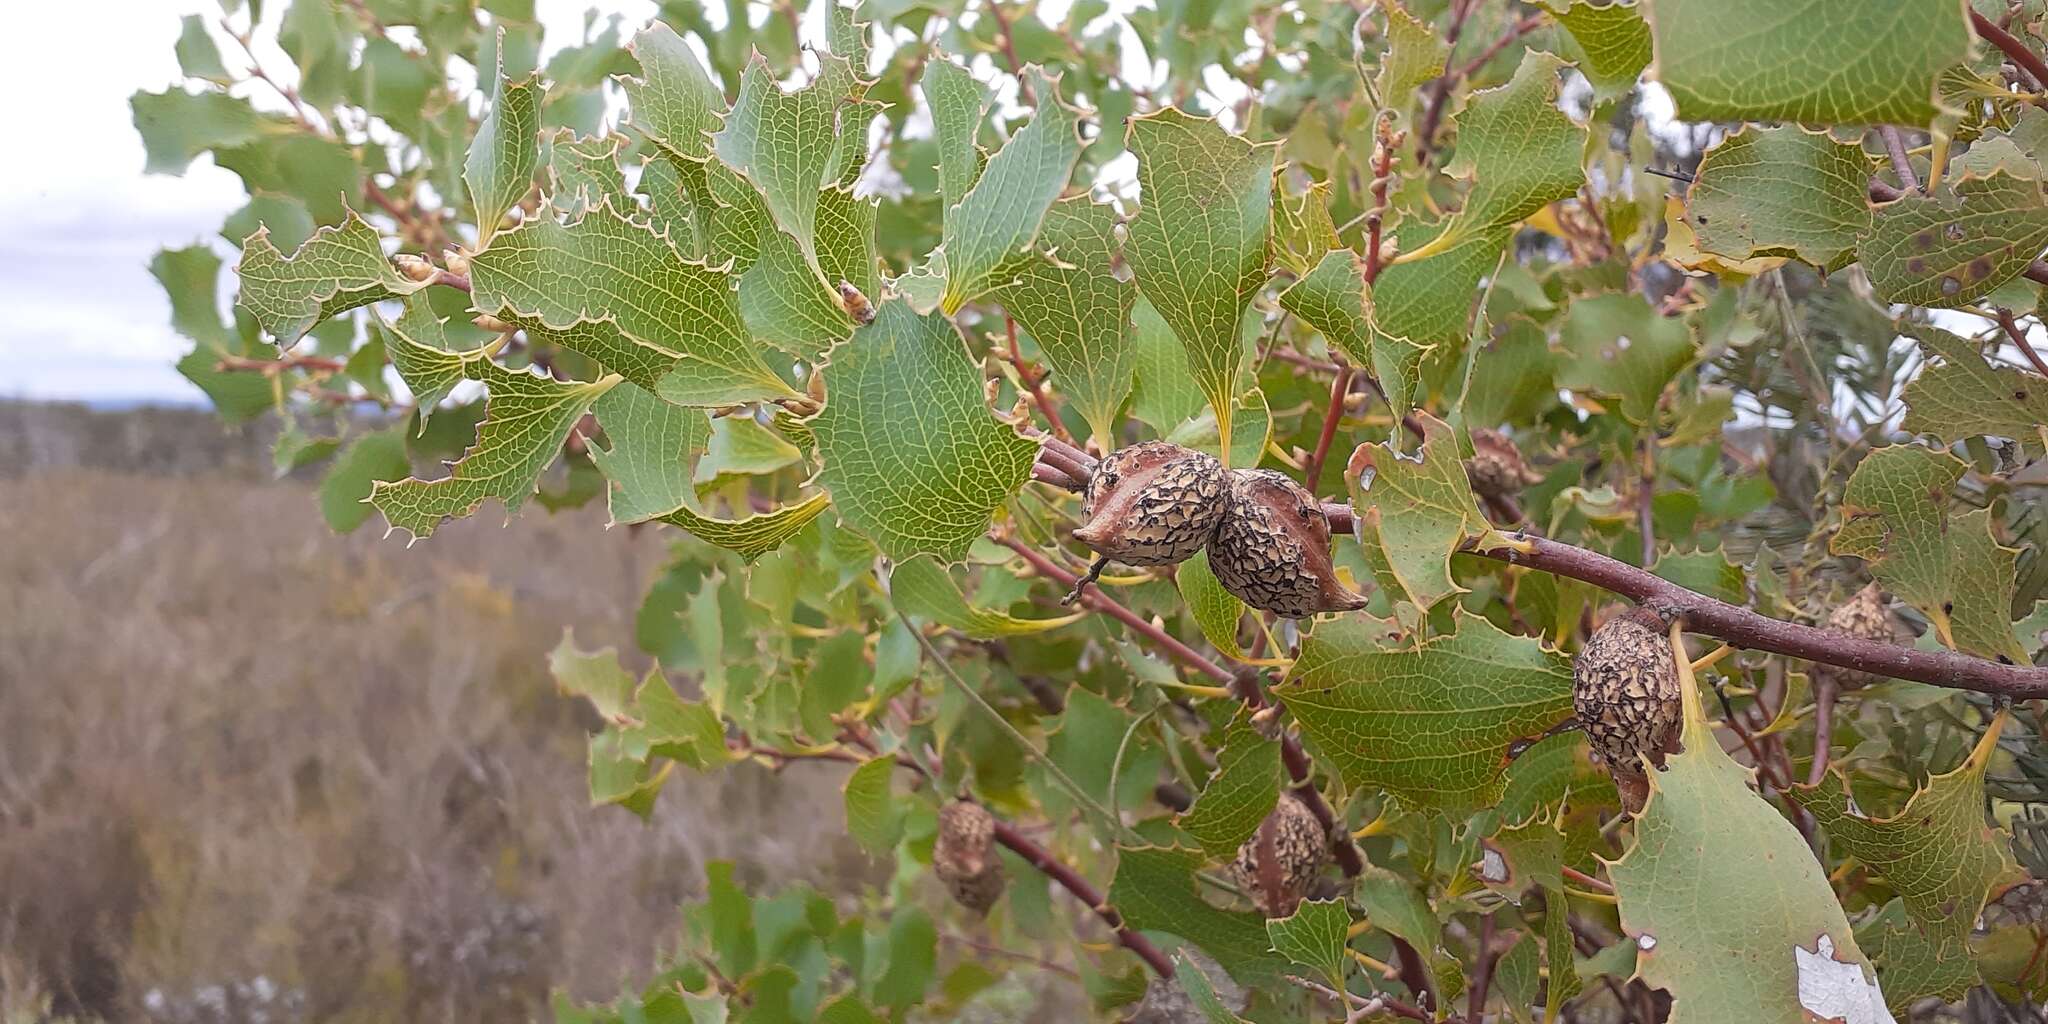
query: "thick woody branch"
1742, 627
1038, 857
2011, 46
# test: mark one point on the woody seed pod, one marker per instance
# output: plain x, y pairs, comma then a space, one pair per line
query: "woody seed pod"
1625, 695
1865, 617
1153, 503
1273, 548
1496, 466
963, 857
1298, 847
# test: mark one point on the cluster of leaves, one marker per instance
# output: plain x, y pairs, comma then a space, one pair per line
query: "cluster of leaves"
813, 287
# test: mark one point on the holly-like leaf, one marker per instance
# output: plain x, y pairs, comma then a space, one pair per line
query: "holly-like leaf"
1239, 794
989, 231
675, 103
1198, 245
1896, 516
1432, 722
1414, 510
176, 126
1781, 192
780, 140
1155, 891
1621, 348
1915, 962
1958, 245
338, 269
345, 490
505, 153
1217, 611
1302, 229
1519, 150
611, 288
1820, 62
419, 351
583, 171
653, 453
198, 57
1727, 908
873, 816
1421, 308
1314, 936
1163, 392
1415, 55
1068, 298
929, 481
527, 419
922, 587
191, 278
1612, 44
1964, 396
752, 535
958, 103
1330, 297
1940, 853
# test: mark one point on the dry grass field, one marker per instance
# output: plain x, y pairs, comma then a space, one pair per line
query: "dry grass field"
252, 771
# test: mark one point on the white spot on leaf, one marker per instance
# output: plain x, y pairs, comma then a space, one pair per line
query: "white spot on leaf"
1493, 868
1646, 943
1830, 989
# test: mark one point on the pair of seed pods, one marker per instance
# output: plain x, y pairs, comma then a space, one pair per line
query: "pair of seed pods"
1157, 503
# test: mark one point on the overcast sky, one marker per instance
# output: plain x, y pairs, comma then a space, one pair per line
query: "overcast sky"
78, 219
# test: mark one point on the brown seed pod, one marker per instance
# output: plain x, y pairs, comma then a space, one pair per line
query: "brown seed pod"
1865, 617
1153, 503
1299, 848
1626, 697
1496, 466
964, 856
1273, 548
857, 305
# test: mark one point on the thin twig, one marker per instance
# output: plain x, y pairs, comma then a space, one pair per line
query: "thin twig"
1646, 516
1902, 165
2019, 339
1033, 385
1823, 726
2011, 45
1038, 857
1340, 387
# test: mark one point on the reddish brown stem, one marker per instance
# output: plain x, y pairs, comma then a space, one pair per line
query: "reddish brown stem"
1902, 165
1038, 857
1493, 49
2011, 45
1382, 175
1572, 874
1312, 470
1101, 602
1033, 385
317, 364
1823, 728
2019, 340
1440, 89
1245, 684
995, 10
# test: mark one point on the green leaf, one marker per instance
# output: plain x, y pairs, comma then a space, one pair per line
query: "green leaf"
584, 170
753, 535
1331, 298
912, 953
1431, 723
922, 587
1201, 991
675, 103
1707, 572
1155, 891
338, 269
1241, 791
1819, 62
1396, 907
527, 419
1303, 232
1726, 905
654, 448
926, 483
1216, 610
1895, 512
1963, 396
1415, 511
676, 331
1163, 392
1314, 936
1958, 245
176, 126
1198, 245
778, 140
505, 153
959, 103
1519, 150
1415, 55
237, 397
1940, 853
1781, 192
989, 231
873, 817
1612, 44
1620, 348
1068, 298
1421, 307
418, 348
191, 278
345, 490
198, 57
1916, 962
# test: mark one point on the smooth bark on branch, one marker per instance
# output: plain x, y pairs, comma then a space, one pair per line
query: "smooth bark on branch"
1038, 857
